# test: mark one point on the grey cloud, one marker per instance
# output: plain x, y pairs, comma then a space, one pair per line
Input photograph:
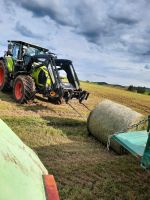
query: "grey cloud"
104, 29
124, 20
25, 31
54, 9
91, 35
147, 67
114, 26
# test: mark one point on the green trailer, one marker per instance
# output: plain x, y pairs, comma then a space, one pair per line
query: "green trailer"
137, 143
22, 174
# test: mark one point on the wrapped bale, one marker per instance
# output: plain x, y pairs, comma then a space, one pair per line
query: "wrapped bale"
108, 118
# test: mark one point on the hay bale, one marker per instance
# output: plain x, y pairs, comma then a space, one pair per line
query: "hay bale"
108, 118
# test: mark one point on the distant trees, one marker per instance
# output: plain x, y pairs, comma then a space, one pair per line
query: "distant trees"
131, 88
138, 89
141, 90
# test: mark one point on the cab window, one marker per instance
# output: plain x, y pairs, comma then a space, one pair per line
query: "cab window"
15, 51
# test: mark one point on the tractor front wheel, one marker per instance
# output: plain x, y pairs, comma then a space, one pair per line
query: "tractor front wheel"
4, 82
24, 89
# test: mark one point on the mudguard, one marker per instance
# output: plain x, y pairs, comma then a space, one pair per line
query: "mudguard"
37, 73
10, 63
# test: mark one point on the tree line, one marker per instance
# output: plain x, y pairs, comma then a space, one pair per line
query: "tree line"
138, 89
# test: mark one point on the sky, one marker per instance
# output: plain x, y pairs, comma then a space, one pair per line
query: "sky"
107, 40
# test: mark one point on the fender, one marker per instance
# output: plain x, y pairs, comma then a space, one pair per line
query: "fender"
36, 73
9, 63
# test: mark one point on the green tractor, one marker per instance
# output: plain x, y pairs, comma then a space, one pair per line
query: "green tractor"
28, 69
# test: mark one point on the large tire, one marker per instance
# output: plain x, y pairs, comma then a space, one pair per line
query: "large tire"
24, 89
4, 77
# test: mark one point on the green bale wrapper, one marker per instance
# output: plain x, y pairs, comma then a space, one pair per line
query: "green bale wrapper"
21, 171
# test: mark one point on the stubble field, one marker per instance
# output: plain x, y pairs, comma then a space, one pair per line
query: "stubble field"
82, 167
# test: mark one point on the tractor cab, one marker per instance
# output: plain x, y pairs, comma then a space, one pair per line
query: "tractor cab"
19, 53
17, 49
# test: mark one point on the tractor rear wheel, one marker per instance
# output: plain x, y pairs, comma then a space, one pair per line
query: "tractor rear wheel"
24, 89
4, 79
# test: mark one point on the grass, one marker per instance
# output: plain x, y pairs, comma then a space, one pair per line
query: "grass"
82, 166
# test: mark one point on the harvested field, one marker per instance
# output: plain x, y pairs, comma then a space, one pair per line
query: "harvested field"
82, 166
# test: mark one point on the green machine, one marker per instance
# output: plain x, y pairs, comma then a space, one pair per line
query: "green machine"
137, 143
28, 69
22, 174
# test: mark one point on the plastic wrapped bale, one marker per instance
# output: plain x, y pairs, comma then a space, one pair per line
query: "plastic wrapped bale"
108, 118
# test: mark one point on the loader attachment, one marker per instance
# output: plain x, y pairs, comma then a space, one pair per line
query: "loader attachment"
69, 81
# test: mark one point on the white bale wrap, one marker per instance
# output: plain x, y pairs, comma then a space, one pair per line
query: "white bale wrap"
108, 118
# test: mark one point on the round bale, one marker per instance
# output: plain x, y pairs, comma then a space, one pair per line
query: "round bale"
108, 118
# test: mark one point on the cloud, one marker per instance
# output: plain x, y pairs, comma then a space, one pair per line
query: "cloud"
124, 20
147, 67
108, 37
55, 9
112, 25
25, 31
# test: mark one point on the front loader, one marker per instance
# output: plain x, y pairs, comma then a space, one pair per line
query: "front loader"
28, 69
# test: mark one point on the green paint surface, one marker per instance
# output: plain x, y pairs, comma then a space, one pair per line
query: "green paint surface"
36, 73
10, 63
137, 143
134, 141
20, 169
145, 161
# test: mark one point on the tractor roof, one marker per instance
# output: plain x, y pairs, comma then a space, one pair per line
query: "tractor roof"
28, 44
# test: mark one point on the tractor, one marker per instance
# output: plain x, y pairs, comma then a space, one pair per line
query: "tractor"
28, 69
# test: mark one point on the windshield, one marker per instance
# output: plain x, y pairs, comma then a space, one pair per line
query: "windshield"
32, 51
15, 51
